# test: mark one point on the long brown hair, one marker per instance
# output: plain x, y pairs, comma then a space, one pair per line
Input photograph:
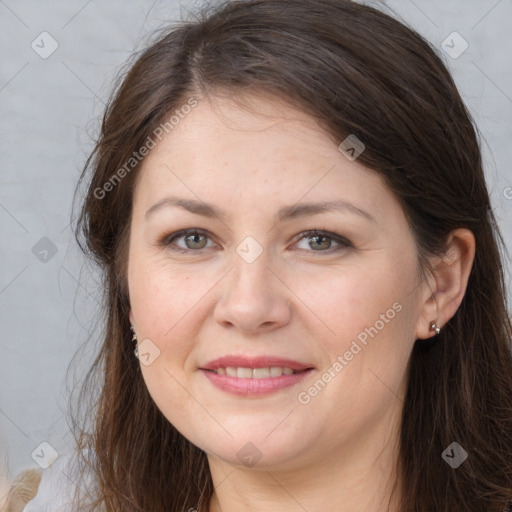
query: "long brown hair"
357, 71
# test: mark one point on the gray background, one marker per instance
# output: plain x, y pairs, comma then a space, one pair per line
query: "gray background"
49, 110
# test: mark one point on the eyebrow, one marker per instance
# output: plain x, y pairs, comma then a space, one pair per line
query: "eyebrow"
285, 213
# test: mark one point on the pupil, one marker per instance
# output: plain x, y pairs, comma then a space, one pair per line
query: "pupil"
319, 237
195, 237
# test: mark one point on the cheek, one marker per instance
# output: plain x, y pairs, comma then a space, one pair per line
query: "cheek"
167, 306
162, 297
348, 299
366, 326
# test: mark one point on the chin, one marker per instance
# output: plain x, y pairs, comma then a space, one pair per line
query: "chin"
258, 452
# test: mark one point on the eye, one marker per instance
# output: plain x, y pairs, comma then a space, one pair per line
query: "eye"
323, 240
196, 239
192, 239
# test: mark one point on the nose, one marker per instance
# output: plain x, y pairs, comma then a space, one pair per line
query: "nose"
253, 297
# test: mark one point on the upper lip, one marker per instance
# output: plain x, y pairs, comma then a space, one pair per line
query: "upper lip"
254, 362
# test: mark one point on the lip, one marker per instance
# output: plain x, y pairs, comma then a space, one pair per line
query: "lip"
258, 387
255, 362
255, 387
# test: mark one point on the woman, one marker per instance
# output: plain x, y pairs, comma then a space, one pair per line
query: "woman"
288, 204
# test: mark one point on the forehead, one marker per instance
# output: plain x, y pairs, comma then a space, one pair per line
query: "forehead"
253, 145
219, 123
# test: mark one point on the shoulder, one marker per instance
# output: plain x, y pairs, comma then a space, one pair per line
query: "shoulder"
22, 490
53, 493
48, 490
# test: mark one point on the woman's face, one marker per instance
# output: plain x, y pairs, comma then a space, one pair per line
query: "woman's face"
256, 295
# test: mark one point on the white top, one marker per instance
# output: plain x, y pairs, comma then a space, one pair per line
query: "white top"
57, 487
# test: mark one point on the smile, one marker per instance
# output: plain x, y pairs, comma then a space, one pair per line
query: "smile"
255, 382
255, 373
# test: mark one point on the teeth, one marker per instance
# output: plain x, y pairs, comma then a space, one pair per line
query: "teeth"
244, 373
230, 371
276, 371
261, 373
254, 373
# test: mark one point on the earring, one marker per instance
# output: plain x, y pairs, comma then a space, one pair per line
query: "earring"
434, 327
134, 338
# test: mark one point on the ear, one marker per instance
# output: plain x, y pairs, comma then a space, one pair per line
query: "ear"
132, 320
447, 284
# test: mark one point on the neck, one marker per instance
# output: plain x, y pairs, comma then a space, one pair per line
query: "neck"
356, 477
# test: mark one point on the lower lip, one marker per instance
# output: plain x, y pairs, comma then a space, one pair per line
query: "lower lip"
245, 387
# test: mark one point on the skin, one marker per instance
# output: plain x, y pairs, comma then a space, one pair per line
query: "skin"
299, 299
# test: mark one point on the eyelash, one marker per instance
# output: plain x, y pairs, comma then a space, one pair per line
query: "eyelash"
344, 243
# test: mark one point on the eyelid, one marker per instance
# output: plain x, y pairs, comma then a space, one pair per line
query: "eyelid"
342, 241
167, 240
